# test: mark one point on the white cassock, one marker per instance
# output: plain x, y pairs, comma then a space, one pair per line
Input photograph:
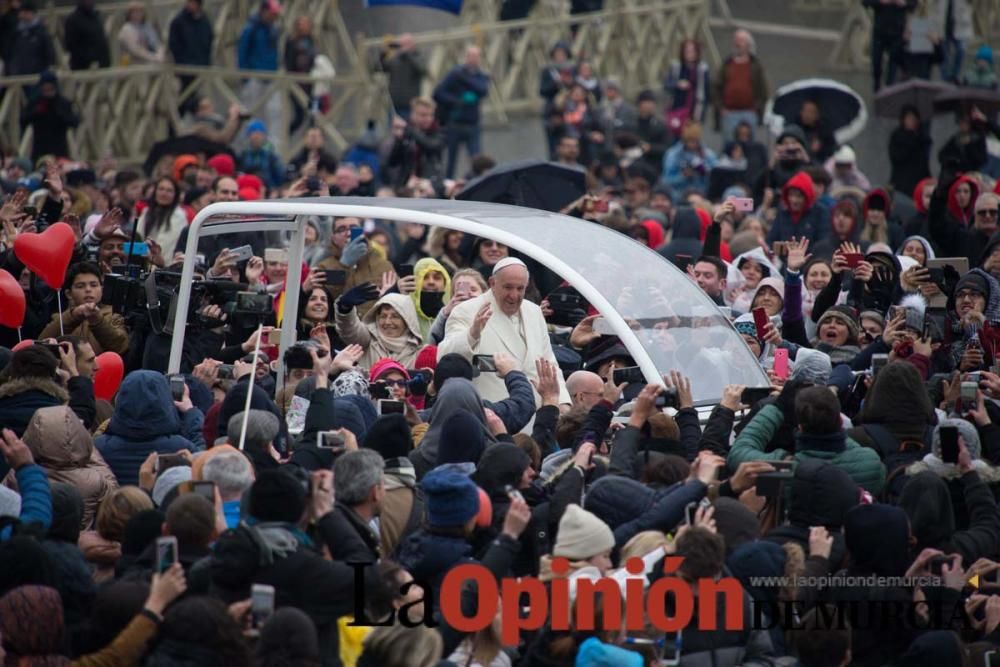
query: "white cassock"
523, 336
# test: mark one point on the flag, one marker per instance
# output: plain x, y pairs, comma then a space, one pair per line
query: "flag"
452, 6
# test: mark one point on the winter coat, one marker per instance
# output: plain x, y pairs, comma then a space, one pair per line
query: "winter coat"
365, 332
699, 79
21, 397
107, 334
31, 50
909, 155
459, 95
679, 158
258, 45
417, 153
51, 118
146, 421
369, 269
861, 464
890, 19
813, 222
65, 450
85, 39
398, 504
190, 39
456, 394
758, 82
348, 537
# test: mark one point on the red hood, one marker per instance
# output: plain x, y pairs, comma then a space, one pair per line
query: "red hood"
803, 184
849, 207
877, 193
965, 217
654, 233
917, 191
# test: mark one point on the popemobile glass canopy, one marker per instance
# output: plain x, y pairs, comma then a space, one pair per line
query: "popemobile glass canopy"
661, 316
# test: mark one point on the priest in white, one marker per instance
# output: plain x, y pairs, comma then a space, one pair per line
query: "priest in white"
500, 320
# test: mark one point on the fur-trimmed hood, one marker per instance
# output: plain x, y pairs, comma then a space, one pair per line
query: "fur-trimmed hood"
25, 384
949, 471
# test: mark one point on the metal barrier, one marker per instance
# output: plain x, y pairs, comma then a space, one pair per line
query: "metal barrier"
515, 52
125, 110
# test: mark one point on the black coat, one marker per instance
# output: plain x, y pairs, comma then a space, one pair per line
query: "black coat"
85, 39
30, 51
190, 39
909, 154
51, 118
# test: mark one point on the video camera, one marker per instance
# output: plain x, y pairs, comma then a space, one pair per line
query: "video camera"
155, 294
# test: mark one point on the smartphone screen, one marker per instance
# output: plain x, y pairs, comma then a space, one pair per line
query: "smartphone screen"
206, 490
781, 363
330, 440
690, 510
484, 362
761, 320
166, 553
335, 277
390, 407
629, 375
261, 604
177, 388
949, 443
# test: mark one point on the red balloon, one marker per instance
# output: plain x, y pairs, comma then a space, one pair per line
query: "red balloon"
110, 371
47, 254
27, 342
11, 301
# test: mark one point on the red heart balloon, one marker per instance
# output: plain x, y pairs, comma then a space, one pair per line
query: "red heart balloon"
27, 342
11, 301
110, 371
47, 254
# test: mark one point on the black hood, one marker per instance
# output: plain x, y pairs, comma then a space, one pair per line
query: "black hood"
501, 464
821, 494
877, 537
687, 225
927, 502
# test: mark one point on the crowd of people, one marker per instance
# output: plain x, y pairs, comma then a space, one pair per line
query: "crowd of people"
449, 402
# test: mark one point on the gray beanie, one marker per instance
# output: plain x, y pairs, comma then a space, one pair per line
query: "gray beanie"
966, 430
813, 366
166, 482
262, 429
10, 502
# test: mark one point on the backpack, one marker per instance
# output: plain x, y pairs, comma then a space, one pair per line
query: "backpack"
897, 457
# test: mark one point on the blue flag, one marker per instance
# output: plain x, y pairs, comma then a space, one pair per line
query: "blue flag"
452, 6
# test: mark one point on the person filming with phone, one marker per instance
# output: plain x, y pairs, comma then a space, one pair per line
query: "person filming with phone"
501, 320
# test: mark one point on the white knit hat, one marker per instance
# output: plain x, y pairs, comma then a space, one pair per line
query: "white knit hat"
582, 535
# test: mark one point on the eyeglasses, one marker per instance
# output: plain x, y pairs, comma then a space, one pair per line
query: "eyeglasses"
393, 383
967, 294
987, 212
341, 230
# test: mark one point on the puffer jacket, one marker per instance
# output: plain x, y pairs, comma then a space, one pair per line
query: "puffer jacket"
364, 332
65, 450
861, 463
146, 421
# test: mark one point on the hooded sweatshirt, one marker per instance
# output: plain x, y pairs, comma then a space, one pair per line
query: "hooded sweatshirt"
893, 234
898, 402
456, 394
420, 270
927, 502
962, 216
65, 450
687, 231
145, 420
917, 224
810, 222
377, 346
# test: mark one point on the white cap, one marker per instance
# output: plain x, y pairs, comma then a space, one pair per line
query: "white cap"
508, 261
844, 155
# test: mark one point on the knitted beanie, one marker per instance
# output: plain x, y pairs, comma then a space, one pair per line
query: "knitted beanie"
451, 498
582, 535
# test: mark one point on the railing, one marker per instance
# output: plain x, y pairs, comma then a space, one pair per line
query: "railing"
125, 110
514, 52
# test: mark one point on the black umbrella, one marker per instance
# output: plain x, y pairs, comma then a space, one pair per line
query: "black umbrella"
842, 109
188, 144
920, 93
987, 101
548, 186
